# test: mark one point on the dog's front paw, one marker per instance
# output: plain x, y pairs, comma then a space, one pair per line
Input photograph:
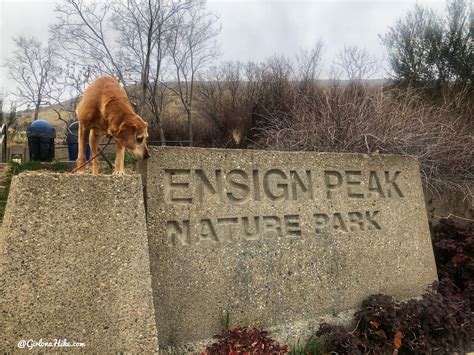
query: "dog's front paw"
119, 173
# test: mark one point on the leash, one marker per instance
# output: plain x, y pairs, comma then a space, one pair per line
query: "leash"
93, 157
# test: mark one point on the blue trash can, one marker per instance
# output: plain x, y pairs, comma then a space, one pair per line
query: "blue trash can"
72, 145
41, 140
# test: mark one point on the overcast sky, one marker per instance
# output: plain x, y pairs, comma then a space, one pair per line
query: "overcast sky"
251, 29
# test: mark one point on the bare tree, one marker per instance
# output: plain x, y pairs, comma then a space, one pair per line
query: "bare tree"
157, 94
126, 38
192, 46
357, 63
10, 118
34, 68
69, 87
1, 108
85, 37
143, 27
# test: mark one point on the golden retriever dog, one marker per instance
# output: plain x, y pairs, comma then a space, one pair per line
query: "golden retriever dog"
106, 110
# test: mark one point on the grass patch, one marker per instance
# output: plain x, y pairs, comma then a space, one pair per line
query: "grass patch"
130, 163
314, 346
4, 193
55, 166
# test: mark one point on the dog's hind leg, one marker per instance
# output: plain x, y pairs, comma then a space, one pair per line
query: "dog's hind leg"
82, 140
119, 158
94, 142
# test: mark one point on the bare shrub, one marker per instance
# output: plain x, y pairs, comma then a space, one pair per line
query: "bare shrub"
226, 102
368, 120
235, 98
267, 106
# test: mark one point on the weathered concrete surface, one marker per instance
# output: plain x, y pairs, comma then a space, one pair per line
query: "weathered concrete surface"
331, 230
75, 264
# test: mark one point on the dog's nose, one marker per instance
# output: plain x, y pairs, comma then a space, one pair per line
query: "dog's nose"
146, 155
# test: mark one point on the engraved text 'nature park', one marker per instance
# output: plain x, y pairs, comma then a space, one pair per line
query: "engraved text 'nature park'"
188, 187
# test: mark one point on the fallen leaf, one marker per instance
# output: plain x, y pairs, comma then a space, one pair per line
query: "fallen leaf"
397, 340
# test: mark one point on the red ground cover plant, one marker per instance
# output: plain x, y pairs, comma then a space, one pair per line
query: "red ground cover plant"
245, 340
454, 252
438, 323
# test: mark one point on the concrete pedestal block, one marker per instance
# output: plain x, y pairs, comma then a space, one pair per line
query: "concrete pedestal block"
75, 265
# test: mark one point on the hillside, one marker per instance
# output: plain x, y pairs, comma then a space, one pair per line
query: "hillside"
173, 111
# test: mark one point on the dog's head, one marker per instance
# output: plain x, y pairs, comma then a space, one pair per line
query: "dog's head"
132, 134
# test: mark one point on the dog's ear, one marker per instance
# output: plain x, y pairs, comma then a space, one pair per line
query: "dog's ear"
122, 129
126, 134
